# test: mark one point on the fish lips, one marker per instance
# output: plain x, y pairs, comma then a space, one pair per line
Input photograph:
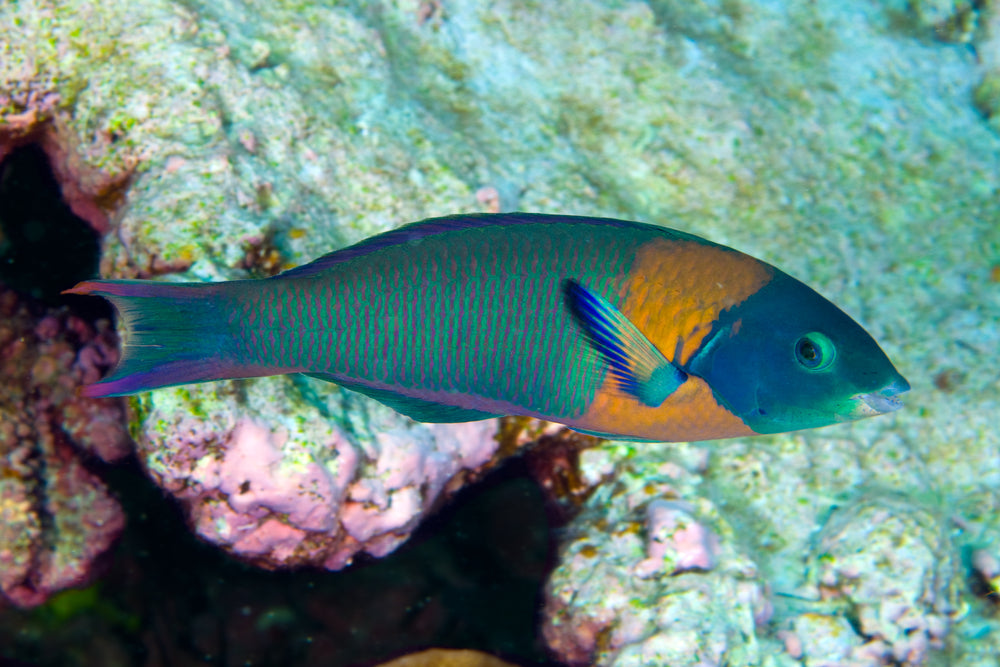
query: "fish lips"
879, 402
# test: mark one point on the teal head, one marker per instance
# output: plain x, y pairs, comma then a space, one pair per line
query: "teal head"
788, 359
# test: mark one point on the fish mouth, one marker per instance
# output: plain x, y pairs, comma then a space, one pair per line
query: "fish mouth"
881, 401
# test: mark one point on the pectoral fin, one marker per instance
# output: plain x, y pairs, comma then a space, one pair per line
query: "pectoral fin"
637, 366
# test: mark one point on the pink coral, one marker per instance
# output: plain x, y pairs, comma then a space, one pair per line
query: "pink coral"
677, 539
56, 518
250, 488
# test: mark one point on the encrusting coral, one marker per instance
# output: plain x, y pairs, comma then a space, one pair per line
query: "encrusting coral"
56, 517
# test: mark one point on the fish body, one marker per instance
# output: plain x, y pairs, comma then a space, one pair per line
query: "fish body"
611, 327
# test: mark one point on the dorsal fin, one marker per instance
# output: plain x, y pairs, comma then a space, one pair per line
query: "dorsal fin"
434, 226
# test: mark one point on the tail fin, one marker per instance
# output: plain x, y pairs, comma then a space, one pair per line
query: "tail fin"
174, 333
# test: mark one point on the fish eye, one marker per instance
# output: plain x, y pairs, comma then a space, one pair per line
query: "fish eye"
815, 351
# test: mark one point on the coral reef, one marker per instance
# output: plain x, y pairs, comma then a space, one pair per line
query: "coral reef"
854, 144
645, 579
56, 517
274, 479
895, 571
470, 578
28, 117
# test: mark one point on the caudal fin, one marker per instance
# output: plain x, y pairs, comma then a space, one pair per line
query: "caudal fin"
174, 333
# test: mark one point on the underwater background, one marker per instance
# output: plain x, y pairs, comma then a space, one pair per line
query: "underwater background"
853, 144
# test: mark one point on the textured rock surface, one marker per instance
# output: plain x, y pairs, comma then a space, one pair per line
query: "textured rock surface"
268, 473
56, 517
895, 571
619, 597
850, 143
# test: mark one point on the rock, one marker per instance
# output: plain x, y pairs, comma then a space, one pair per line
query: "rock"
643, 579
56, 518
893, 565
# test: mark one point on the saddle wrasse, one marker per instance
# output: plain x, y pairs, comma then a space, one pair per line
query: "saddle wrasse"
615, 328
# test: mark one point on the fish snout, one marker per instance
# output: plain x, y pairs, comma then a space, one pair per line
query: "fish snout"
882, 401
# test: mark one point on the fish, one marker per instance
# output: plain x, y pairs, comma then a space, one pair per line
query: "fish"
619, 329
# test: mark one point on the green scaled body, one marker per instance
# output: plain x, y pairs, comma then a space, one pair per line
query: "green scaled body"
608, 326
470, 311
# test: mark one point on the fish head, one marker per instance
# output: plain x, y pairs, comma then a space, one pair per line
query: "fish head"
786, 359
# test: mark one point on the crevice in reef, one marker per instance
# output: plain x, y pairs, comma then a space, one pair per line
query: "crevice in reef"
44, 247
60, 517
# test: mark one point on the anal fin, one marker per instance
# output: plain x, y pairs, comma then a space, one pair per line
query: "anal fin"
414, 408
